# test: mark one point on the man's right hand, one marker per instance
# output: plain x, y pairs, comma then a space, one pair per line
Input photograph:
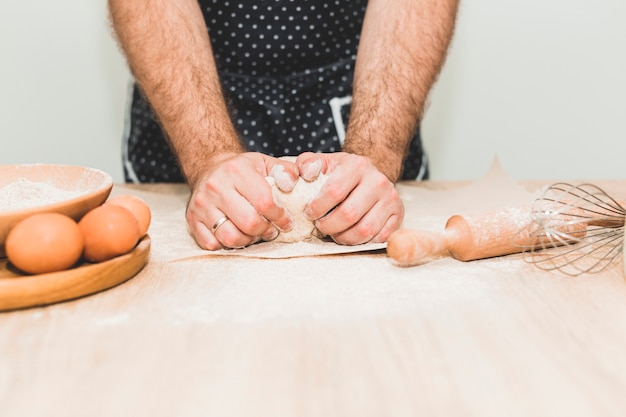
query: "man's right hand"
234, 187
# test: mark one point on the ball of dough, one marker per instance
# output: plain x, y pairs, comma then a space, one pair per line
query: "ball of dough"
295, 201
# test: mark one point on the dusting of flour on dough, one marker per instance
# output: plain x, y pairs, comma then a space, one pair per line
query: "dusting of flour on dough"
281, 177
312, 169
295, 201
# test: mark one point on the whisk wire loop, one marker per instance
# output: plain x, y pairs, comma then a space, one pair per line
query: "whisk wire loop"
575, 229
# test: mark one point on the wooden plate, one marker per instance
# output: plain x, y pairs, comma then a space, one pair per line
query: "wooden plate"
93, 185
21, 291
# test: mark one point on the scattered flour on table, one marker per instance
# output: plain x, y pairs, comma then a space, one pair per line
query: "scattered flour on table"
112, 321
24, 194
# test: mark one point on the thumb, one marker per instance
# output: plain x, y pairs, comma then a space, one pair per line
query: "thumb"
284, 172
311, 165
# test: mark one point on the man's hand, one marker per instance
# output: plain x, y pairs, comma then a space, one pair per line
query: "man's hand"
234, 187
357, 204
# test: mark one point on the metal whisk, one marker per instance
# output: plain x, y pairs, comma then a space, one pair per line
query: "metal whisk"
576, 229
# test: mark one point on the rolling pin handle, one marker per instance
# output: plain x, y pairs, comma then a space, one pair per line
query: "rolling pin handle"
412, 247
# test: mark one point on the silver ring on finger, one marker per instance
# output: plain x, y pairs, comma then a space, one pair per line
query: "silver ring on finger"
218, 223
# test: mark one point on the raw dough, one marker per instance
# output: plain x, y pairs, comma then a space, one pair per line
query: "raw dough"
295, 201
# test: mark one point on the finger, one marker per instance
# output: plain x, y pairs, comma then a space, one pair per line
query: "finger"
196, 219
271, 234
365, 215
203, 236
311, 165
229, 235
344, 175
334, 191
365, 229
244, 216
349, 212
393, 223
255, 208
205, 232
376, 227
394, 205
285, 173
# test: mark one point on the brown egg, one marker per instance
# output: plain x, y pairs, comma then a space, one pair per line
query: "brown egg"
109, 231
45, 242
137, 206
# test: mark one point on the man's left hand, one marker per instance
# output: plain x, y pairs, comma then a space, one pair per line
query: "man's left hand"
357, 204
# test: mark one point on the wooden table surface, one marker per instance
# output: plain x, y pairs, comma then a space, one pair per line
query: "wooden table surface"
342, 335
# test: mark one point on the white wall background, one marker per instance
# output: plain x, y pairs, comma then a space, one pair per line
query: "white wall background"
540, 83
63, 85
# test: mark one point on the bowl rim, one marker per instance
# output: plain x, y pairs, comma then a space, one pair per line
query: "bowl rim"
106, 183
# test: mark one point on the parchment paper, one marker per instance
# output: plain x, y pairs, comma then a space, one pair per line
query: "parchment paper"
429, 209
425, 208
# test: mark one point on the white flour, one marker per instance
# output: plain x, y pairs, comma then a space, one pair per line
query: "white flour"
24, 194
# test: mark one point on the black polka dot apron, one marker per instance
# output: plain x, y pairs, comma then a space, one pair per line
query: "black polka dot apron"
286, 68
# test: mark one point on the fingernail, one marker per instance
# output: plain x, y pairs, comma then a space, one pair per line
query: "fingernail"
311, 170
288, 226
282, 178
272, 235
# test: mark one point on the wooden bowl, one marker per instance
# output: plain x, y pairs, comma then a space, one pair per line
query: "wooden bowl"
88, 188
23, 291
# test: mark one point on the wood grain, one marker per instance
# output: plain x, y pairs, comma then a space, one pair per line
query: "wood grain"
331, 336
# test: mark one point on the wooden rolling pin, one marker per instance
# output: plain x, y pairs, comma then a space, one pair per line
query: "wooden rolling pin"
470, 237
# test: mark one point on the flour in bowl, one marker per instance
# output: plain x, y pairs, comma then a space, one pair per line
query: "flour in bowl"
24, 194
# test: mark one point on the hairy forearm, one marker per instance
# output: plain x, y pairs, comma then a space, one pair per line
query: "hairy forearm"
402, 49
169, 53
